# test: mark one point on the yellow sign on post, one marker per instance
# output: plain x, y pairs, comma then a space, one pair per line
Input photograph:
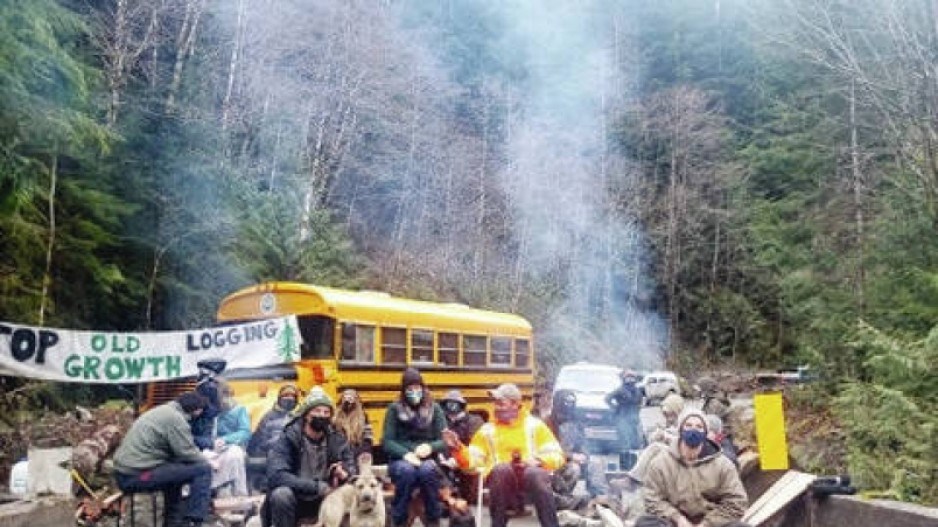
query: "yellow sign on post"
770, 431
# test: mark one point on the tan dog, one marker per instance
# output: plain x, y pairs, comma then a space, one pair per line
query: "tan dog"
360, 498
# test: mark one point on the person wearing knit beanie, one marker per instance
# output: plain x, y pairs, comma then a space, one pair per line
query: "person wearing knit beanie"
693, 483
413, 434
317, 397
308, 461
671, 407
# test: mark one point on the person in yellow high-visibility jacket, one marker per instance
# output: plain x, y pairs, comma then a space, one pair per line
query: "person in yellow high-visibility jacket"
515, 453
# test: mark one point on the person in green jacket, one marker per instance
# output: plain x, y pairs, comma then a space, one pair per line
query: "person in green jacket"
159, 453
413, 432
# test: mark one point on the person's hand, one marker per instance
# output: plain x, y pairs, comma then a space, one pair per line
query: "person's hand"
423, 450
412, 458
451, 439
339, 471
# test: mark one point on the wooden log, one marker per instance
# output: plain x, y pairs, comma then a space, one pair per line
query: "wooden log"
792, 485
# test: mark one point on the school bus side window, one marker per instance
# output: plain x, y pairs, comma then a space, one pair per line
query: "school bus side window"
475, 348
358, 343
317, 333
393, 345
522, 352
449, 348
501, 351
421, 346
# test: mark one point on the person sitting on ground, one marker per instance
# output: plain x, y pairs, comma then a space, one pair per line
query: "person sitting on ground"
716, 402
413, 432
232, 433
693, 485
159, 453
305, 463
270, 427
208, 385
465, 425
457, 419
351, 421
715, 434
671, 408
517, 453
661, 437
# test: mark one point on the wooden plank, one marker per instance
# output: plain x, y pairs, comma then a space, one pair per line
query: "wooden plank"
779, 496
770, 493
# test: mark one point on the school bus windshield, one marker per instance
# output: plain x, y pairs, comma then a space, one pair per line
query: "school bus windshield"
317, 332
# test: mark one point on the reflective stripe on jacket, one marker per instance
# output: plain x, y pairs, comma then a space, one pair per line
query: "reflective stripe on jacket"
495, 443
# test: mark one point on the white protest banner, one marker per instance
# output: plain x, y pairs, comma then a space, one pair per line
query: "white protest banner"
131, 357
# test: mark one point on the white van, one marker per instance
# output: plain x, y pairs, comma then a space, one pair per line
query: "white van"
658, 384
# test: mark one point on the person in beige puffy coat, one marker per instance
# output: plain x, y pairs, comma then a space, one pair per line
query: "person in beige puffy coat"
694, 485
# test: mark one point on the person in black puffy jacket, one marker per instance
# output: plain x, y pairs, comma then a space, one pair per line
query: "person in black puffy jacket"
270, 427
308, 461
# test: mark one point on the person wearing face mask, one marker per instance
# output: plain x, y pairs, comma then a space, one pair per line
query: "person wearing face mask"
516, 453
716, 434
208, 385
661, 437
352, 422
457, 419
626, 401
413, 432
159, 453
271, 424
232, 432
305, 463
694, 484
465, 425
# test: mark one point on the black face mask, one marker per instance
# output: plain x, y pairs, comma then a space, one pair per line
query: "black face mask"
348, 406
319, 424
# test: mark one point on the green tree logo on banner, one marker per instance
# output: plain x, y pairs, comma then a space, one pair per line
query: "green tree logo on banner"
289, 348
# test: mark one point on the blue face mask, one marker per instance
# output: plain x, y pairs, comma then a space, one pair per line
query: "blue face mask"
414, 396
693, 437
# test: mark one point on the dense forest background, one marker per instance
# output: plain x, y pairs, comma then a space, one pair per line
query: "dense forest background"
690, 182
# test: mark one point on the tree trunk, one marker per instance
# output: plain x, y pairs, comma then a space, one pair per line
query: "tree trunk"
151, 284
857, 177
185, 46
121, 53
115, 75
233, 63
478, 261
47, 271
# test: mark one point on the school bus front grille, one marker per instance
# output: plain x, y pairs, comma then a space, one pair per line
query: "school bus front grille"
162, 392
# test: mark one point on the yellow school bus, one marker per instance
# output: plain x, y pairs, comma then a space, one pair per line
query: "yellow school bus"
365, 339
